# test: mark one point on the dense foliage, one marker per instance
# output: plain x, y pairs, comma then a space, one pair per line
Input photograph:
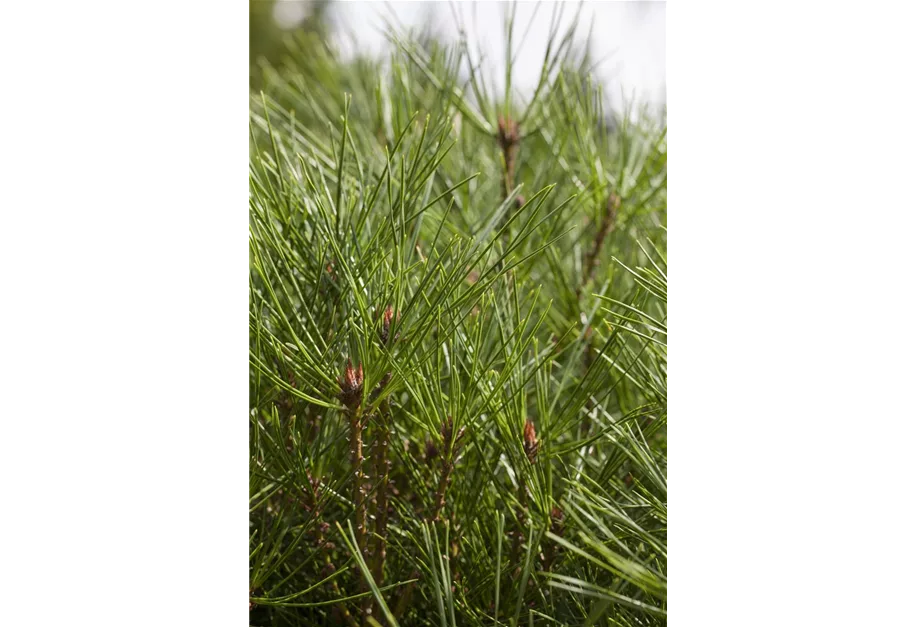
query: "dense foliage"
458, 344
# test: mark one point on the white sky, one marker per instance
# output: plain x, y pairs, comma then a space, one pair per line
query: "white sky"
629, 36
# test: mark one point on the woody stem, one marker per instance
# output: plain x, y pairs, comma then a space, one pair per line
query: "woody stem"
356, 462
376, 557
448, 464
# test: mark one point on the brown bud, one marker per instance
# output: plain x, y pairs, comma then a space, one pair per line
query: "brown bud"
351, 386
557, 521
507, 132
520, 200
431, 451
387, 316
530, 442
446, 431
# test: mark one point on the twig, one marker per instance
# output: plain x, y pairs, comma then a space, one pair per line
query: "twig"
591, 262
551, 551
404, 601
590, 265
530, 447
508, 139
312, 502
450, 447
380, 501
352, 396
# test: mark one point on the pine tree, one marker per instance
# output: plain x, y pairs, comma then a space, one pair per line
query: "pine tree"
457, 344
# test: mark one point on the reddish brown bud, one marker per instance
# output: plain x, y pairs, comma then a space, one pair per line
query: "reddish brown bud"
351, 386
530, 442
387, 316
520, 200
507, 132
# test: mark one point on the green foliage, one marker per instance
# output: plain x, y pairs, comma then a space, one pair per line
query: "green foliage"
527, 282
265, 36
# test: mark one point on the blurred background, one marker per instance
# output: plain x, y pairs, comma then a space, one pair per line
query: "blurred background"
625, 40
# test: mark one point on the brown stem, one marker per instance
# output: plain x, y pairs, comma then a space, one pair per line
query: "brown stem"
359, 499
326, 547
450, 448
343, 608
359, 490
530, 446
508, 140
330, 568
440, 500
456, 551
382, 476
591, 263
382, 472
557, 527
404, 601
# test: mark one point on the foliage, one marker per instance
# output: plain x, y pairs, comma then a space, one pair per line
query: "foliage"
496, 267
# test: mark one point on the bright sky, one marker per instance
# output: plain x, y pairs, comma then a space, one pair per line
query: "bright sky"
628, 36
